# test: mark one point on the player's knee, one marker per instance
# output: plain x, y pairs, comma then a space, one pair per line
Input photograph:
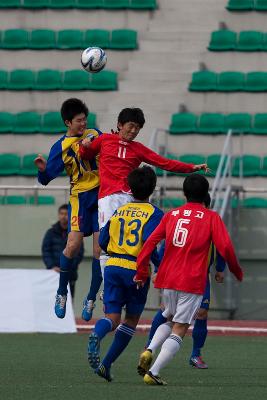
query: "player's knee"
202, 313
72, 248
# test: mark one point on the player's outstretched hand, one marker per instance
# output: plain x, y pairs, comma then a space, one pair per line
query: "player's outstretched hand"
40, 162
86, 142
199, 167
219, 277
139, 283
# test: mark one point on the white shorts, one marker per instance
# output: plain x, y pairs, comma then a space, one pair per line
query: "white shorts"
108, 204
181, 306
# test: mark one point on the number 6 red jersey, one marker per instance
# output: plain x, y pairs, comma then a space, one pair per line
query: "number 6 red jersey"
188, 232
119, 157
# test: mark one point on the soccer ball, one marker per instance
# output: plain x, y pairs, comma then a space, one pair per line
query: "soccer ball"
93, 59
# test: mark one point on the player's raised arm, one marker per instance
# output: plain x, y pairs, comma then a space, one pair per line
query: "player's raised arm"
52, 168
90, 148
223, 244
152, 158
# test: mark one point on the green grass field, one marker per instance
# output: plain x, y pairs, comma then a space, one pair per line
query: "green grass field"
48, 367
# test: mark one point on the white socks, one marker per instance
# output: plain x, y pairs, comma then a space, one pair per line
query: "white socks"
161, 334
169, 348
103, 259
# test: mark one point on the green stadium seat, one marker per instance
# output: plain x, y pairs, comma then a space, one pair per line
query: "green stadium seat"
96, 37
15, 39
211, 123
91, 120
263, 171
76, 80
89, 3
42, 39
251, 166
27, 122
260, 124
183, 123
104, 80
9, 3
28, 167
2, 199
223, 40
193, 158
15, 200
256, 82
238, 122
3, 79
260, 5
250, 41
123, 39
203, 81
35, 3
62, 3
70, 39
21, 79
254, 202
9, 164
7, 122
116, 4
213, 161
52, 123
240, 5
48, 79
143, 4
42, 200
231, 81
172, 202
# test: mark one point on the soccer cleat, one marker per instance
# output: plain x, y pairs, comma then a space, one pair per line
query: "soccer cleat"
93, 350
104, 372
88, 308
197, 362
151, 379
60, 305
145, 361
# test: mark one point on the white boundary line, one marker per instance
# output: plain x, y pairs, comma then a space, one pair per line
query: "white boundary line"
213, 328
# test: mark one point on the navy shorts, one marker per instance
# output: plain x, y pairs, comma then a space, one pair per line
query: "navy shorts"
120, 290
206, 296
83, 212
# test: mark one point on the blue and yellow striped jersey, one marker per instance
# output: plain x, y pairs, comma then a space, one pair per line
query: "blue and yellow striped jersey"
64, 154
123, 236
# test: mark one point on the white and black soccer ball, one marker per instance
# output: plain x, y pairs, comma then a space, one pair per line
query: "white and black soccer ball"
93, 59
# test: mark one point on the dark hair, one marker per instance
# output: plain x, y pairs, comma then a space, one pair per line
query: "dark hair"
207, 200
63, 207
131, 115
72, 107
196, 188
142, 182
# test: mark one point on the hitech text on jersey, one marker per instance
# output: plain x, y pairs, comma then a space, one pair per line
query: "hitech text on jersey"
64, 154
129, 227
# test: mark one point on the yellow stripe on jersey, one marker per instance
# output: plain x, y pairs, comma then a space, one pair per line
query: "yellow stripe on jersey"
121, 262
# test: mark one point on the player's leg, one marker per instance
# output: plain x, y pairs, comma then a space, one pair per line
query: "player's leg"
158, 320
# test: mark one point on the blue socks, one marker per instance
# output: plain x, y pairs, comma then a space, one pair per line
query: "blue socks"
96, 280
102, 327
64, 275
122, 337
199, 336
157, 321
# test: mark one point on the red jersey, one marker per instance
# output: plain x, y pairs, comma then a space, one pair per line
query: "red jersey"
119, 157
188, 231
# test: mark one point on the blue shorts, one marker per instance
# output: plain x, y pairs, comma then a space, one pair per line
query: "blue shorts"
206, 296
120, 290
83, 212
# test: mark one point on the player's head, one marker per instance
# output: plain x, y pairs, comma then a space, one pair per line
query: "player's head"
207, 201
130, 121
196, 188
142, 182
74, 113
63, 215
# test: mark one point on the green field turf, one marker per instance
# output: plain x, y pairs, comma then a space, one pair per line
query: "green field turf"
48, 367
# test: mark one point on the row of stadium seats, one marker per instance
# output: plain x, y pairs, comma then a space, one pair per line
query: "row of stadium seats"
249, 202
14, 164
225, 40
48, 79
32, 122
90, 4
247, 5
228, 81
41, 39
215, 123
252, 165
30, 200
